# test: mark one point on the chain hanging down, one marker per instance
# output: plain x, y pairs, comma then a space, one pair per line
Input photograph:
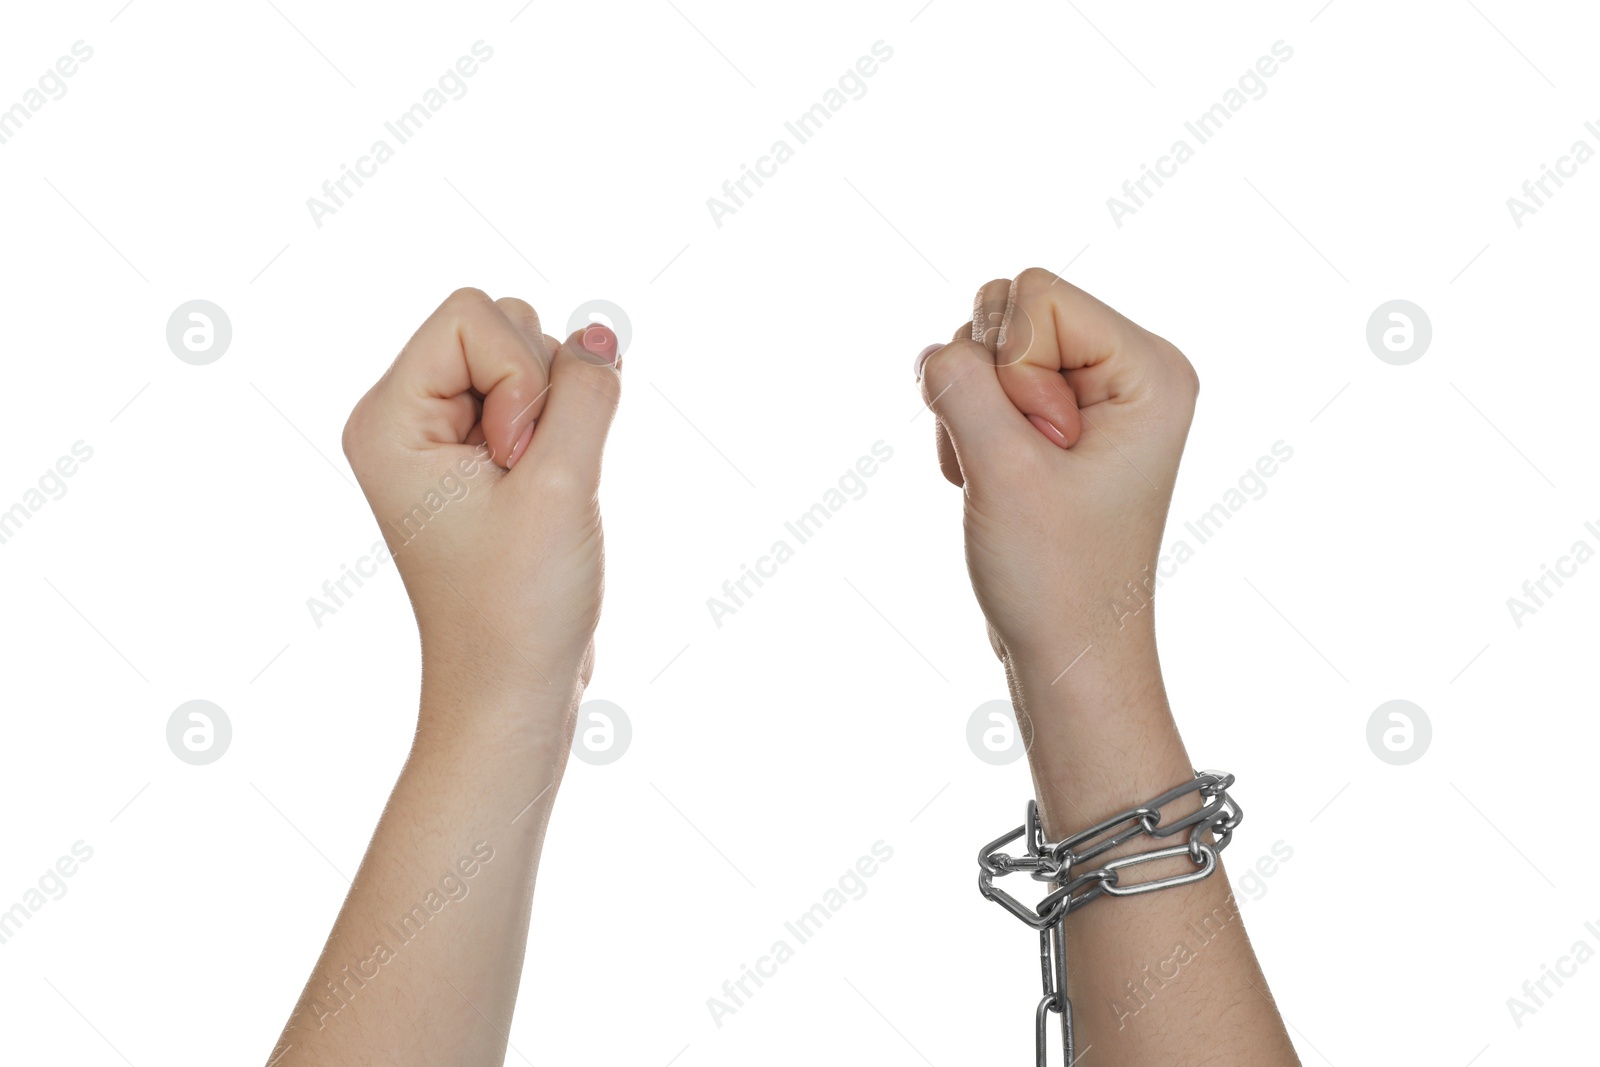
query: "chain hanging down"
1046, 862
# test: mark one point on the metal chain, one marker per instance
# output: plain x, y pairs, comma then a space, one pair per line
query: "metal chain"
1055, 863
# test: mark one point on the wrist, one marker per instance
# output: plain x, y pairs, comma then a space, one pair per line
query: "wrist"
502, 779
496, 667
511, 652
466, 706
1101, 737
1101, 621
1080, 669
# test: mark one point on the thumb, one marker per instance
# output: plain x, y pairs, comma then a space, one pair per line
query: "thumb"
585, 385
981, 426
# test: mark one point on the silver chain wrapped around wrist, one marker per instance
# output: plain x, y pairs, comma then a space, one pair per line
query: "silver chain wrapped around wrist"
1059, 863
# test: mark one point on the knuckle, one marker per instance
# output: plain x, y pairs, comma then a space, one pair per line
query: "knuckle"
559, 487
1183, 370
954, 367
521, 313
1035, 279
353, 439
595, 386
1191, 377
467, 298
954, 362
939, 368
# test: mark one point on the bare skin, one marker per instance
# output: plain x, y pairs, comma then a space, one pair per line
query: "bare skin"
479, 451
1063, 422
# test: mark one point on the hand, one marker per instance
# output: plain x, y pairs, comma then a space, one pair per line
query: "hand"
1064, 422
479, 451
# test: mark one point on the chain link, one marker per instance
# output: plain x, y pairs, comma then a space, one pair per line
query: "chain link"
1217, 817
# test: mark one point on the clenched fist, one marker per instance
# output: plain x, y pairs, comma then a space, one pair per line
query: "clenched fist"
479, 451
1064, 422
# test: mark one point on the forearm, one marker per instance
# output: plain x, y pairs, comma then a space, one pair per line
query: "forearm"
423, 963
1155, 977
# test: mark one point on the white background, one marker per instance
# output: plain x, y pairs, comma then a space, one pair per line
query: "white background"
767, 355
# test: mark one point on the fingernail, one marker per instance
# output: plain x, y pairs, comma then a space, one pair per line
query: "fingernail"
598, 340
922, 357
522, 445
1045, 427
